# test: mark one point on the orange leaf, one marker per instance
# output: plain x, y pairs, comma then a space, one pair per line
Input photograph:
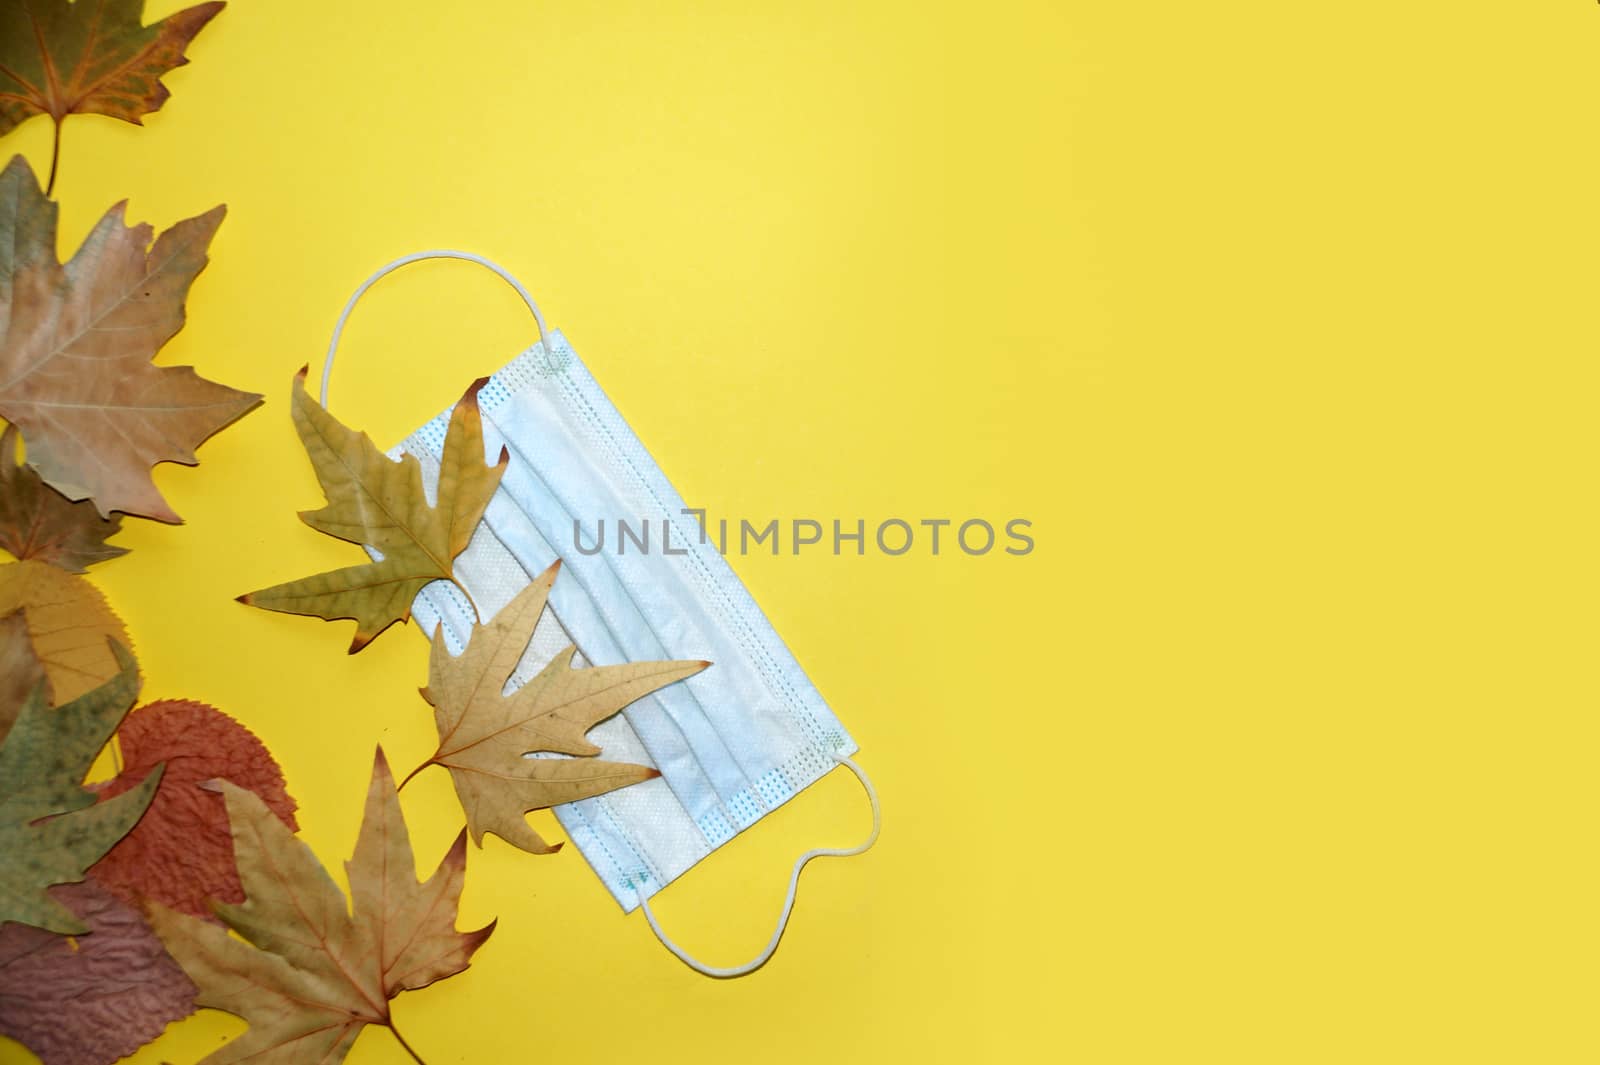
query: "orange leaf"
181, 853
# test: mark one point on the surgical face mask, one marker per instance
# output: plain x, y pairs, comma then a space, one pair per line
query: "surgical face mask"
732, 743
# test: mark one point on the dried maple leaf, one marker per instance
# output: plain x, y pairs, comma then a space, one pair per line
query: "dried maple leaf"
318, 970
76, 343
180, 853
20, 669
95, 999
51, 828
484, 735
376, 501
37, 522
68, 624
59, 58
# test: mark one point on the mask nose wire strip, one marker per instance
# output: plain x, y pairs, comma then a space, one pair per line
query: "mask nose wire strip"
788, 903
438, 253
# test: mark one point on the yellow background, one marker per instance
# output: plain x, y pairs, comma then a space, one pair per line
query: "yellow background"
1276, 319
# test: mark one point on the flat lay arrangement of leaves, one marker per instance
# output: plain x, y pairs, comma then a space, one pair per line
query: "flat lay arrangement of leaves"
177, 882
82, 976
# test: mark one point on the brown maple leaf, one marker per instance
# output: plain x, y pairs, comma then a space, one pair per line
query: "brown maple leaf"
37, 522
180, 854
484, 735
76, 342
59, 58
377, 501
20, 670
311, 971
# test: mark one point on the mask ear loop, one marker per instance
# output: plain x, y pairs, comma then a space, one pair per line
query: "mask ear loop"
788, 903
438, 253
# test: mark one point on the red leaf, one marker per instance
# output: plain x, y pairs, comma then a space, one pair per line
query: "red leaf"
181, 852
94, 999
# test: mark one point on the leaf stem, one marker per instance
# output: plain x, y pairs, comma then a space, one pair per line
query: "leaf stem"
411, 774
402, 1040
55, 157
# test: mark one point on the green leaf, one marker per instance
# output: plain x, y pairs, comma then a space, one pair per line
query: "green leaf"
51, 827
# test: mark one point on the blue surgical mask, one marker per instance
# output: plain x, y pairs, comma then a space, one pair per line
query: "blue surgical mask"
732, 743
